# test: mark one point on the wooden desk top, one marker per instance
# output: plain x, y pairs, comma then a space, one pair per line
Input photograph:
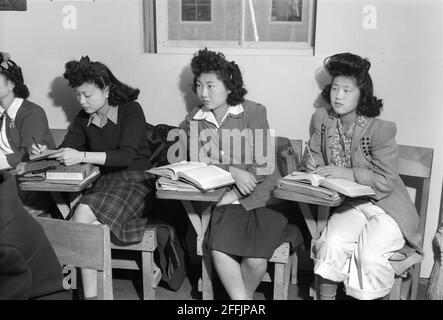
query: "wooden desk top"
213, 196
56, 187
293, 196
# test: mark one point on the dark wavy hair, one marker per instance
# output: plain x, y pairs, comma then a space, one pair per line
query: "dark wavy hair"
86, 71
352, 65
205, 61
12, 72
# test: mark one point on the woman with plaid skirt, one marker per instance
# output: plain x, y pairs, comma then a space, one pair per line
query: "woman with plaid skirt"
109, 132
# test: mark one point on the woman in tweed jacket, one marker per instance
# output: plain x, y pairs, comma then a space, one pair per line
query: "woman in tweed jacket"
350, 142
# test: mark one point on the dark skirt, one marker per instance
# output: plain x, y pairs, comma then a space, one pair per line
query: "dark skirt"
253, 234
121, 200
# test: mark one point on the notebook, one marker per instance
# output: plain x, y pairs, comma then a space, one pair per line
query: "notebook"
346, 187
203, 176
43, 155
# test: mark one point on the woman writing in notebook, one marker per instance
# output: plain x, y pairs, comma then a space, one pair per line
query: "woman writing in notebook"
349, 142
109, 132
243, 231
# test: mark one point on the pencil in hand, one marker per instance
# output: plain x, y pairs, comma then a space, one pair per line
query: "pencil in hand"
37, 145
310, 156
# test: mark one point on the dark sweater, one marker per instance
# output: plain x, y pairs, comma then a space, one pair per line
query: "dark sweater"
125, 143
30, 122
29, 268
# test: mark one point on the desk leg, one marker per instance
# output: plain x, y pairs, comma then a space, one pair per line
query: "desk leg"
64, 207
315, 226
200, 224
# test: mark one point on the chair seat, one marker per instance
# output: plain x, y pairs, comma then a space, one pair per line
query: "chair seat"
402, 266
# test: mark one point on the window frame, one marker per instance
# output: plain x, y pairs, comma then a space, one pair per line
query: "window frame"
235, 46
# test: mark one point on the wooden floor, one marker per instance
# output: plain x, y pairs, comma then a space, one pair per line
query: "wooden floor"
127, 286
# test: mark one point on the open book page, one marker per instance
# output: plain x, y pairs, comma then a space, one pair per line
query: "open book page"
43, 155
171, 170
347, 187
208, 177
167, 184
312, 178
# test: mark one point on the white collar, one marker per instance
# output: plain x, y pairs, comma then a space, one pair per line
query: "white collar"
13, 108
112, 115
208, 115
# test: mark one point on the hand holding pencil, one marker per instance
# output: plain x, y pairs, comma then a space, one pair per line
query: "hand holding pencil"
311, 165
37, 148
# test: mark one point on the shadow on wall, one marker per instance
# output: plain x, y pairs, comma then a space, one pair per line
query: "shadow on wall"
189, 97
322, 78
63, 97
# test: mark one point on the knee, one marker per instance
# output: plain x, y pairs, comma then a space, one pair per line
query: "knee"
83, 214
257, 264
370, 261
331, 242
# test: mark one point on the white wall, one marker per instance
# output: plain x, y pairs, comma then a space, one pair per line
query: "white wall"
405, 50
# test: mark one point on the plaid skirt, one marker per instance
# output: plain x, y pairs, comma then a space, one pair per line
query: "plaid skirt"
122, 200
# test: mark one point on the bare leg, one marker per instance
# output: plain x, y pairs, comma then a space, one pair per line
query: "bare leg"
253, 270
230, 275
83, 214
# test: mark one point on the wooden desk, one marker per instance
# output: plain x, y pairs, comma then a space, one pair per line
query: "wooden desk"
316, 223
74, 192
200, 222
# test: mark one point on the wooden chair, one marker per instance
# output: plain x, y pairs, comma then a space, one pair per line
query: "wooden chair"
415, 166
283, 264
151, 274
144, 261
84, 246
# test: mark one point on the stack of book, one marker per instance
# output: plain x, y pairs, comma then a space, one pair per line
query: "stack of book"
314, 185
75, 174
191, 176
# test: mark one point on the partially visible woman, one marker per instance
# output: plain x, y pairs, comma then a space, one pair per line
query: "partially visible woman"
109, 132
21, 121
29, 268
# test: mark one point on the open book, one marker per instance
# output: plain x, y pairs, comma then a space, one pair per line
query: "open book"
203, 176
346, 187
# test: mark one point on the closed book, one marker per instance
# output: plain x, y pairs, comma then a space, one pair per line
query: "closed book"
75, 172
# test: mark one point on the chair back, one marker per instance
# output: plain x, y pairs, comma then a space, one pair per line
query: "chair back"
415, 167
288, 154
84, 246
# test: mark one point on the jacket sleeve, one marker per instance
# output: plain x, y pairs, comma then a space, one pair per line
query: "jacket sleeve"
263, 168
34, 125
384, 159
262, 165
15, 275
315, 141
